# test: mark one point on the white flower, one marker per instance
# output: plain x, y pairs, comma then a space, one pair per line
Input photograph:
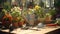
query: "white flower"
15, 9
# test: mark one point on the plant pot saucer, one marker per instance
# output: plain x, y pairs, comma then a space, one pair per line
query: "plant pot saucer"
51, 24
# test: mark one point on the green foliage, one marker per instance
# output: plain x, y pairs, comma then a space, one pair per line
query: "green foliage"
40, 13
1, 1
41, 4
52, 12
6, 19
57, 3
14, 21
7, 6
15, 14
2, 14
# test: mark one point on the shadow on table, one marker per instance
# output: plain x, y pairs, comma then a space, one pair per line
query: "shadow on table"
1, 32
57, 31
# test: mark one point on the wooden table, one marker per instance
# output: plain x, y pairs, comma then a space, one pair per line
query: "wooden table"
29, 31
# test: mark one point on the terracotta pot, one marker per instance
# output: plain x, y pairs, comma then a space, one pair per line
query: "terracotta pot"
15, 24
48, 19
21, 23
41, 19
8, 21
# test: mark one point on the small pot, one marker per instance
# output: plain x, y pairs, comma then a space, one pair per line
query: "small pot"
6, 24
20, 23
15, 24
48, 19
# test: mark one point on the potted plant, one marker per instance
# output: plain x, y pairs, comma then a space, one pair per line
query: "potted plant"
49, 15
39, 13
1, 13
16, 13
21, 21
7, 19
47, 18
15, 22
7, 5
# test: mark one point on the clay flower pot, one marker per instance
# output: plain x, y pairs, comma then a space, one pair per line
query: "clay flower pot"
48, 18
7, 19
20, 23
15, 24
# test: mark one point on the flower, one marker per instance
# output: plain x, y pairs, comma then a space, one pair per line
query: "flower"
37, 7
16, 14
5, 11
16, 9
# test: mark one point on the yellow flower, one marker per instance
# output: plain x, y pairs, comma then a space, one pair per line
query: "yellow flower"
37, 7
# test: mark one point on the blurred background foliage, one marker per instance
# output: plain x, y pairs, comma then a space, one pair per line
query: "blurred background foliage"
5, 4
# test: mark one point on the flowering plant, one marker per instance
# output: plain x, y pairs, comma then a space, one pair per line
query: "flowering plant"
16, 14
39, 11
